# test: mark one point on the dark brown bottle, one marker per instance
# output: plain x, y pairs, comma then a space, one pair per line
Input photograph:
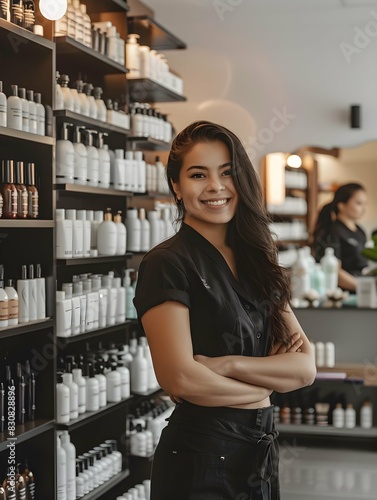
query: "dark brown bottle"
20, 485
33, 195
22, 194
9, 190
29, 480
17, 12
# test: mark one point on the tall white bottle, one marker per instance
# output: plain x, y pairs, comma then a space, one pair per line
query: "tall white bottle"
61, 472
23, 297
81, 383
80, 158
145, 231
121, 234
65, 158
93, 110
94, 224
67, 94
101, 106
25, 109
107, 235
73, 395
133, 56
70, 451
62, 401
300, 277
114, 387
93, 159
63, 315
77, 233
41, 293
118, 171
59, 95
120, 316
64, 235
40, 112
129, 176
142, 172
3, 107
32, 294
81, 215
139, 372
104, 162
14, 110
4, 300
133, 227
330, 267
87, 26
155, 229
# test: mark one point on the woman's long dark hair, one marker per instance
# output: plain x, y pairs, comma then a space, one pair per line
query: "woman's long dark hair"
330, 211
248, 232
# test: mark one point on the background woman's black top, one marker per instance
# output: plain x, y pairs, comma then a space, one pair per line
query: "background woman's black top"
225, 314
347, 245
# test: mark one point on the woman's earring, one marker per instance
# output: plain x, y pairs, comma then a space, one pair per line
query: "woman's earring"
179, 201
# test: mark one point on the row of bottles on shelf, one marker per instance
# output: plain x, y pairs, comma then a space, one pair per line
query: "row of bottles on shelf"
141, 491
296, 179
148, 122
94, 301
77, 475
18, 392
19, 483
26, 302
294, 230
102, 37
23, 110
291, 205
20, 13
88, 233
19, 198
144, 62
323, 415
324, 353
93, 382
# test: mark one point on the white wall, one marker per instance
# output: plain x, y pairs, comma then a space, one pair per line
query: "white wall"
249, 60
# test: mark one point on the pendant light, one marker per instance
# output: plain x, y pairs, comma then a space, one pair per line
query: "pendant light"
53, 9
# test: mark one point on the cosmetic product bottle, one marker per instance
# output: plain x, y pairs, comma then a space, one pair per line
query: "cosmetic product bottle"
5, 10
92, 306
4, 310
32, 294
87, 471
121, 301
321, 414
320, 354
85, 105
63, 315
133, 228
22, 193
65, 158
30, 391
155, 232
87, 26
20, 392
83, 476
17, 12
68, 97
92, 389
152, 381
32, 121
101, 106
117, 173
3, 105
338, 416
124, 380
107, 450
20, 485
129, 174
103, 301
2, 407
104, 161
81, 158
32, 191
112, 45
115, 452
133, 56
350, 416
81, 215
70, 451
107, 235
59, 94
144, 231
29, 480
49, 120
113, 379
78, 292
41, 113
79, 31
81, 384
71, 20
94, 224
329, 265
366, 415
93, 467
285, 414
29, 15
12, 303
24, 108
329, 354
99, 375
93, 110
10, 198
93, 158
41, 293
14, 110
76, 313
141, 169
107, 282
23, 296
77, 233
62, 401
61, 472
80, 492
130, 293
139, 372
64, 235
121, 234
126, 356
318, 280
73, 393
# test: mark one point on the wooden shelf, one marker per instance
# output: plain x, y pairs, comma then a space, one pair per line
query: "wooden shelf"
14, 37
315, 430
94, 333
105, 487
26, 431
366, 372
84, 59
93, 260
106, 6
22, 328
17, 135
28, 223
153, 34
152, 195
288, 216
77, 119
148, 143
145, 90
88, 190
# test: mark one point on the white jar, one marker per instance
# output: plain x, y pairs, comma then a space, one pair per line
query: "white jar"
350, 417
366, 415
320, 354
338, 416
107, 235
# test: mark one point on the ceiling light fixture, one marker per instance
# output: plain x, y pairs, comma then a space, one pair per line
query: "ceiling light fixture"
294, 161
53, 9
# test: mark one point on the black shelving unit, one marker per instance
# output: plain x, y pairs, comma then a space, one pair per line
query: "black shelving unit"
87, 121
22, 328
153, 34
95, 333
148, 143
146, 90
26, 431
88, 190
104, 488
93, 260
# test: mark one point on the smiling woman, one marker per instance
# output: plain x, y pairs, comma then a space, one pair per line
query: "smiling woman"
214, 304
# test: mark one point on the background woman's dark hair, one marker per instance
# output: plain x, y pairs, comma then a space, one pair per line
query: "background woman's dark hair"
330, 211
248, 232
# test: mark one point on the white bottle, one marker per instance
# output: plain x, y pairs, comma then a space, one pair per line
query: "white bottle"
107, 235
120, 315
318, 280
350, 416
107, 282
41, 293
87, 26
139, 372
137, 122
166, 217
59, 95
77, 233
76, 101
3, 107
92, 309
79, 31
62, 401
93, 110
154, 227
129, 174
133, 56
32, 294
80, 490
23, 298
102, 386
338, 416
33, 122
103, 304
112, 50
69, 104
78, 292
75, 303
65, 158
121, 234
133, 227
320, 354
145, 231
85, 105
71, 23
81, 384
92, 390
12, 302
101, 106
93, 159
142, 172
330, 267
329, 354
80, 159
300, 276
25, 109
113, 378
70, 451
61, 472
118, 173
81, 215
40, 113
152, 381
366, 415
162, 185
63, 315
64, 235
73, 395
130, 294
126, 356
4, 311
14, 110
116, 453
104, 162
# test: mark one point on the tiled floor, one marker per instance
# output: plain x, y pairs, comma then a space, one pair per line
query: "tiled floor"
319, 473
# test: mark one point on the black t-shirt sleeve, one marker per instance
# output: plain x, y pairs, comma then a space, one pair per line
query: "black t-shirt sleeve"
161, 279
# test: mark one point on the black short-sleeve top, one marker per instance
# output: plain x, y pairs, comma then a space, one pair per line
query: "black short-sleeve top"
226, 317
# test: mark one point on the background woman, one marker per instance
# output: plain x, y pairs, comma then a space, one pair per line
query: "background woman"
337, 227
214, 305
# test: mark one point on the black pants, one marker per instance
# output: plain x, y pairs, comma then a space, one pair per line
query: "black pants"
217, 454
